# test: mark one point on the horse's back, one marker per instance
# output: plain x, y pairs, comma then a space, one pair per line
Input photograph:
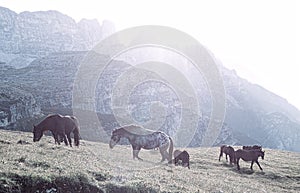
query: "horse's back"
70, 123
52, 121
247, 155
227, 149
137, 130
59, 122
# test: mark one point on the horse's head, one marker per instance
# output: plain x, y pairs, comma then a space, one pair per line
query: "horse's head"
37, 133
115, 138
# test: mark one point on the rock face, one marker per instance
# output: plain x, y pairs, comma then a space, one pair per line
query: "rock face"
17, 108
280, 132
29, 35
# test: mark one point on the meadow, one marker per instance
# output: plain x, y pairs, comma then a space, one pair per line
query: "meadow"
43, 166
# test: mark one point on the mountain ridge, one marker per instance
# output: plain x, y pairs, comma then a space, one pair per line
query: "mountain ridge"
27, 36
248, 106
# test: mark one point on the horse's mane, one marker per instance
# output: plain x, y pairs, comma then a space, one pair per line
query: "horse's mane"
137, 130
53, 115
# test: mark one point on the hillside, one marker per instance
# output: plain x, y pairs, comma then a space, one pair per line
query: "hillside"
93, 167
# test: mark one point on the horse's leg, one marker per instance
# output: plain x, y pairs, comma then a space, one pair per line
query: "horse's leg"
64, 138
251, 167
234, 159
136, 154
230, 159
258, 164
226, 156
163, 151
221, 154
55, 135
237, 163
69, 139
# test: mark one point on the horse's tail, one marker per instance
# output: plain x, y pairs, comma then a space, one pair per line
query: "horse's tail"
76, 131
171, 149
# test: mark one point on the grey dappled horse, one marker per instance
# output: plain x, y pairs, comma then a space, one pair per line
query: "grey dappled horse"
139, 139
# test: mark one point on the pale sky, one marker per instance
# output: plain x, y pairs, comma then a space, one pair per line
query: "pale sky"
260, 39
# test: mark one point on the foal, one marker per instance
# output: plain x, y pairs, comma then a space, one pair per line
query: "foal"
182, 156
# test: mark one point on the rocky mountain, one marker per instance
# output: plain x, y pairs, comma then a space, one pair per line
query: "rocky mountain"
244, 124
18, 108
260, 114
50, 47
30, 35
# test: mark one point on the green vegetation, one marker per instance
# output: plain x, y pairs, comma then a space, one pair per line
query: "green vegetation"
93, 167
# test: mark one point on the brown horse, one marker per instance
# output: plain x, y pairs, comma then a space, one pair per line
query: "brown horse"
182, 156
228, 150
249, 155
254, 147
60, 126
140, 138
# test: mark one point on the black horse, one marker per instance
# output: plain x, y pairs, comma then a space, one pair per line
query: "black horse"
249, 155
139, 139
60, 126
228, 150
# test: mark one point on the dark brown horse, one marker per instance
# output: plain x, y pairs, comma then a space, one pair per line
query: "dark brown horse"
60, 126
228, 150
140, 138
182, 158
249, 155
254, 147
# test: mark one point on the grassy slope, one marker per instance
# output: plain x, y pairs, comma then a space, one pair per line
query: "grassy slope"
94, 167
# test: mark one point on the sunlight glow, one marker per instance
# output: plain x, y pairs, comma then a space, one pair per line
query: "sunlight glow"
259, 39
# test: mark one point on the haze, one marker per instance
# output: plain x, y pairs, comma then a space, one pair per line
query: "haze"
259, 39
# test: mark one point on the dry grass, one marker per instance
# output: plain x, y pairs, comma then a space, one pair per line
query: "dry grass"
93, 167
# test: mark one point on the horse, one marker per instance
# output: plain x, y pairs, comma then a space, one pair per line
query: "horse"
182, 156
141, 138
60, 126
249, 155
228, 150
254, 147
